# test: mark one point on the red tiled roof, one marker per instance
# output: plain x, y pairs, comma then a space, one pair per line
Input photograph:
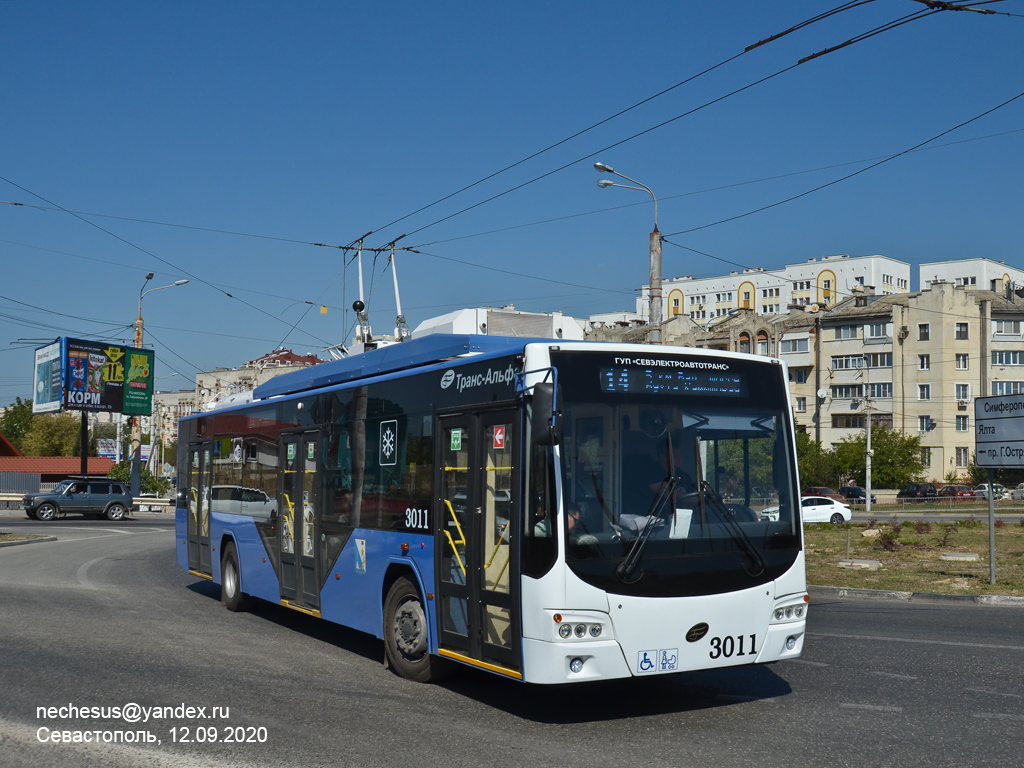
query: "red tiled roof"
7, 447
54, 465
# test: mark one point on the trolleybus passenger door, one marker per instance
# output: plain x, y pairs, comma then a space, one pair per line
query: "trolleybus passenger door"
200, 487
478, 565
297, 516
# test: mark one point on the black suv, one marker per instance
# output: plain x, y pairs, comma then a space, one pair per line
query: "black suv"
98, 496
855, 494
918, 492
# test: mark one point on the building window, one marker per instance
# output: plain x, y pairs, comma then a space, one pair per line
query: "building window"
924, 423
799, 375
963, 391
745, 342
801, 405
880, 390
924, 391
926, 456
963, 457
794, 345
962, 424
876, 330
846, 362
1007, 358
962, 362
879, 360
961, 331
1010, 327
848, 421
762, 343
846, 391
924, 362
923, 332
1007, 387
846, 332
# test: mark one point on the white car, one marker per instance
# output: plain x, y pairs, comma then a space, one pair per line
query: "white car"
981, 491
1017, 494
821, 509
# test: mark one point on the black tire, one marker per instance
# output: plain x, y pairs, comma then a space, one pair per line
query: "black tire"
231, 593
30, 514
46, 512
115, 511
837, 519
406, 639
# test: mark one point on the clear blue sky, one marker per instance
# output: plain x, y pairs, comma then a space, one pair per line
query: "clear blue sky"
285, 124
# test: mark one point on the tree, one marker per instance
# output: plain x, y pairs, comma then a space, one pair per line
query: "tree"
147, 483
16, 422
54, 434
896, 461
817, 466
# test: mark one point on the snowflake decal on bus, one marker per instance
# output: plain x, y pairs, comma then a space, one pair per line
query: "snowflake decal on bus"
388, 443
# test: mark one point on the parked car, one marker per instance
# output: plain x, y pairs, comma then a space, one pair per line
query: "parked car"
918, 492
959, 492
1017, 494
820, 490
998, 491
819, 509
854, 494
97, 496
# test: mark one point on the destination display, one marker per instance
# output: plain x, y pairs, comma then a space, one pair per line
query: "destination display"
671, 377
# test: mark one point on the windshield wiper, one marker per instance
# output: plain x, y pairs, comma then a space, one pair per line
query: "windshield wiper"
735, 529
629, 570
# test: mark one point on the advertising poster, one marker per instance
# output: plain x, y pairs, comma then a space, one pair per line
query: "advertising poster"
48, 383
94, 376
138, 383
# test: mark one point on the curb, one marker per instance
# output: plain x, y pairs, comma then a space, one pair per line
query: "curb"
27, 541
854, 593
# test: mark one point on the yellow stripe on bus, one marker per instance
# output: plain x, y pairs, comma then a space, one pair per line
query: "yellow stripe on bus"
482, 664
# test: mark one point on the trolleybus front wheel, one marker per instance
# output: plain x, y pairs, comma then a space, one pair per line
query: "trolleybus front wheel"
231, 581
405, 635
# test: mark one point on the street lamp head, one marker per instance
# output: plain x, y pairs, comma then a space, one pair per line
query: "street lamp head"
181, 282
603, 183
149, 275
602, 168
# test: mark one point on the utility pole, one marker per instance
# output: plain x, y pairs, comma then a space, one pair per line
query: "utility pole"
868, 451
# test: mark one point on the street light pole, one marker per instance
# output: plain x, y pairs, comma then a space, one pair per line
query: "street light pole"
654, 337
136, 477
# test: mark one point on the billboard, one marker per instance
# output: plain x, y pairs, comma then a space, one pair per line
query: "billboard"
77, 375
48, 383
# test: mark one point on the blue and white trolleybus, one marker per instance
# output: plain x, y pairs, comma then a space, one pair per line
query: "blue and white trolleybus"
549, 511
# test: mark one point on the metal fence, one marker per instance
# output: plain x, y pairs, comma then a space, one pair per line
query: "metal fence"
20, 482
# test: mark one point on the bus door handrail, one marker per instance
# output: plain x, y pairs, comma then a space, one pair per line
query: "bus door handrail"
451, 541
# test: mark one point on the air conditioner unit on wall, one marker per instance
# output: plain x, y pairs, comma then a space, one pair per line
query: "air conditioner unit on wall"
961, 404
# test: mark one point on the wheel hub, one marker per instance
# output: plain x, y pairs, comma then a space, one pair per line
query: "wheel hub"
409, 634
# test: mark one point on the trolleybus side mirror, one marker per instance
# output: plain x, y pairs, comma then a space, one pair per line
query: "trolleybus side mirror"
544, 419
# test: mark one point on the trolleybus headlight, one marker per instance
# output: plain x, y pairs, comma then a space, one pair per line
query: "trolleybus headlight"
564, 631
595, 630
799, 611
581, 631
789, 612
791, 642
576, 665
779, 614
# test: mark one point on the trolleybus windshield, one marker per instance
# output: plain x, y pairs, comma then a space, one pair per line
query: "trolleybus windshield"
677, 477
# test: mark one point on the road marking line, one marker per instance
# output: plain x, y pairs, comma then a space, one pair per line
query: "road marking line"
872, 707
995, 693
917, 642
997, 716
808, 662
893, 676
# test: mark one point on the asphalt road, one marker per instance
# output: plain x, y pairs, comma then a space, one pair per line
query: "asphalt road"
104, 617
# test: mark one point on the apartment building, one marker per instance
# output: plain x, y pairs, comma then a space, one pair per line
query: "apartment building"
816, 282
913, 362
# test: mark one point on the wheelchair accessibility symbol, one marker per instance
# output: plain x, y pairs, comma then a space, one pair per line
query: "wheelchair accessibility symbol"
664, 660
